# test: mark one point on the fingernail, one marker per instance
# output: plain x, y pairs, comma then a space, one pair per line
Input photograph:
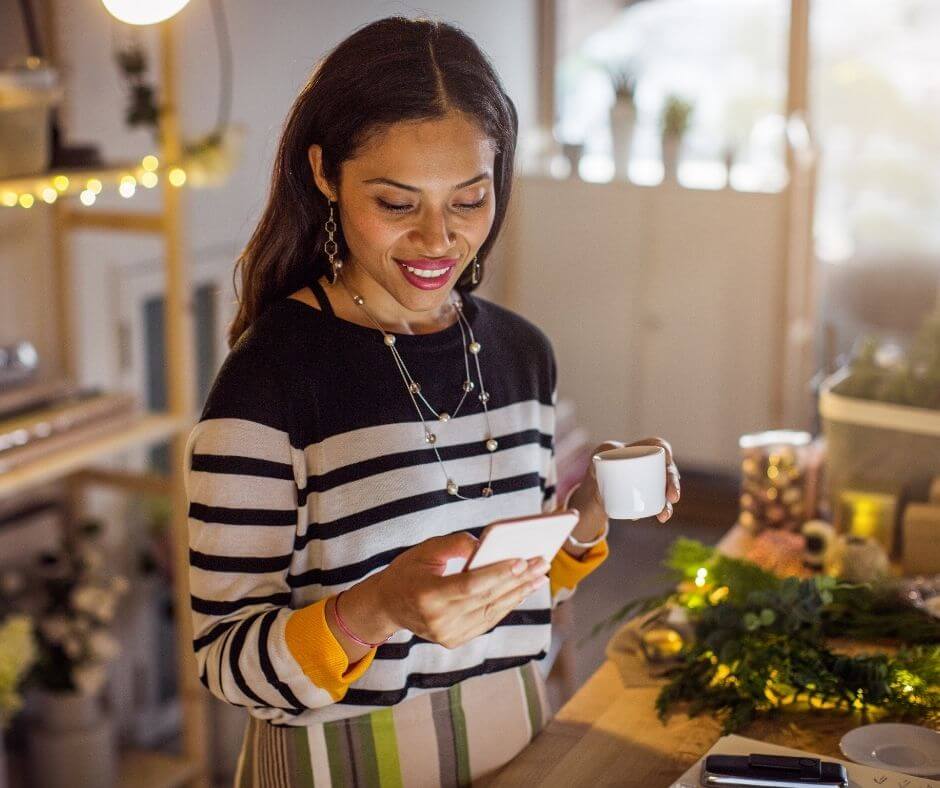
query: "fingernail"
538, 583
519, 567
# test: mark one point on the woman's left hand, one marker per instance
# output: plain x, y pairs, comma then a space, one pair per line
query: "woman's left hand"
589, 483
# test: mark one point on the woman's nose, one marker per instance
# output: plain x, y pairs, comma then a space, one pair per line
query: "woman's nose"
434, 234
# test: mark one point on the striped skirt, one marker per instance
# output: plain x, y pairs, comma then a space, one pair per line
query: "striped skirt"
448, 737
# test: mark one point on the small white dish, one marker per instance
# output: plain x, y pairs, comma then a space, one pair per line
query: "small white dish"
911, 749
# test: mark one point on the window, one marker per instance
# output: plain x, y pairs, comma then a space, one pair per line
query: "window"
728, 57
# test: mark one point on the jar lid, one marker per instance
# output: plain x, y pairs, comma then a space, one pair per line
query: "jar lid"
757, 440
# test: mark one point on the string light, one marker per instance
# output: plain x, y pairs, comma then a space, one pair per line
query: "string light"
26, 192
128, 186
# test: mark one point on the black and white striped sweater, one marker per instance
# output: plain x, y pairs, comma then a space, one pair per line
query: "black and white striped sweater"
308, 470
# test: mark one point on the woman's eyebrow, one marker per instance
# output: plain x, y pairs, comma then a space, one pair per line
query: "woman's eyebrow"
474, 179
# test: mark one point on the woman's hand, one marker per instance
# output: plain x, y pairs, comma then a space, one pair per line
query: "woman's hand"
412, 594
589, 493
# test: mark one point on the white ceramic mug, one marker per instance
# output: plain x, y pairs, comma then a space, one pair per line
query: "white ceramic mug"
631, 481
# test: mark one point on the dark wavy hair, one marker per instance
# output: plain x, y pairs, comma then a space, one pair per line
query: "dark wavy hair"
394, 69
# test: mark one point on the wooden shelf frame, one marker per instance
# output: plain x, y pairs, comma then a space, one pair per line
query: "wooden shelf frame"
74, 465
74, 459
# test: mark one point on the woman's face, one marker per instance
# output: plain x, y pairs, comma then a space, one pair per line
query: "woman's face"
417, 200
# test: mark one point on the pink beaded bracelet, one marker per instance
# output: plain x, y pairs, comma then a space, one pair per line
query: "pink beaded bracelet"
342, 625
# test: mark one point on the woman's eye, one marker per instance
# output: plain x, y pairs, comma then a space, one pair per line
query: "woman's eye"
395, 208
473, 205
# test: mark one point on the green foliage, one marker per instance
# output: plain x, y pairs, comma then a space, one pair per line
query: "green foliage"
675, 117
761, 643
912, 381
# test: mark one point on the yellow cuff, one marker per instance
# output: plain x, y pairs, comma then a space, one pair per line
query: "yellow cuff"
567, 571
318, 652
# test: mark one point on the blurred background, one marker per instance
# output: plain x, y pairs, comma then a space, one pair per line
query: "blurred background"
726, 217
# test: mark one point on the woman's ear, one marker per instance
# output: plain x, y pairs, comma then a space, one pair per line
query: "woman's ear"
315, 156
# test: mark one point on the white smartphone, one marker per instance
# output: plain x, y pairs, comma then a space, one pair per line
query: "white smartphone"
523, 537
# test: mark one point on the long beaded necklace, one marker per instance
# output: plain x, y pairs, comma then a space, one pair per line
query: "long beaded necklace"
414, 388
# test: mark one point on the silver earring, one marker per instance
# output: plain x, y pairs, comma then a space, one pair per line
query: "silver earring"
475, 273
330, 246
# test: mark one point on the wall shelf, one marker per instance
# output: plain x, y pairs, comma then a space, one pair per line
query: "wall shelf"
128, 433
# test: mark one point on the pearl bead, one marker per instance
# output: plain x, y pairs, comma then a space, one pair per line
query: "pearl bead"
452, 487
444, 416
389, 340
430, 437
487, 492
414, 388
491, 444
358, 299
474, 347
468, 385
484, 396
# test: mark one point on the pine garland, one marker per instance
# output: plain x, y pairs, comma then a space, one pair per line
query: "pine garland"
761, 643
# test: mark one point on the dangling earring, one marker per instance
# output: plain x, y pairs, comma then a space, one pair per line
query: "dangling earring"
330, 246
475, 273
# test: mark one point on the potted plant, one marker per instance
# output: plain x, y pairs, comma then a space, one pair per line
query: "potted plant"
622, 118
72, 740
674, 122
17, 655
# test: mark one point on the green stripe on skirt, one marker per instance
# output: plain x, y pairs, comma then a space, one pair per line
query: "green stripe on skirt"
443, 738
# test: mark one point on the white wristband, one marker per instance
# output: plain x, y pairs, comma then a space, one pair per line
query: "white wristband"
599, 539
574, 541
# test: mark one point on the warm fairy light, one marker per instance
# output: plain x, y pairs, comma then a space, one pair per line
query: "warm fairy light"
9, 199
718, 595
61, 182
27, 200
700, 576
87, 197
150, 162
94, 186
128, 186
49, 195
177, 176
149, 180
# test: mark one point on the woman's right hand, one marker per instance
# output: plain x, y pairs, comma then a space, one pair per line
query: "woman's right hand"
412, 593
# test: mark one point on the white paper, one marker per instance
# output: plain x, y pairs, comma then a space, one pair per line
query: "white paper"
859, 776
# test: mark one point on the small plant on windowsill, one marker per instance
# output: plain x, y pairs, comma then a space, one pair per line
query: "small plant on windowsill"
674, 122
624, 83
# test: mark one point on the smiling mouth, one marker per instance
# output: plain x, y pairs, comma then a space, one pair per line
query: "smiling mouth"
427, 273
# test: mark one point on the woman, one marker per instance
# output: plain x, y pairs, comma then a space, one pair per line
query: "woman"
372, 416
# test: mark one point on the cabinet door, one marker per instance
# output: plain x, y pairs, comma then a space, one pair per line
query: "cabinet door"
709, 319
572, 255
